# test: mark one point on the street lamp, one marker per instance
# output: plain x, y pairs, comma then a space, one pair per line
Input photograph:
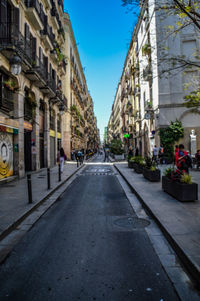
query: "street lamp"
15, 64
62, 109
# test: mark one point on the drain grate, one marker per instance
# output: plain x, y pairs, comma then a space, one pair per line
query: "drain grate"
132, 223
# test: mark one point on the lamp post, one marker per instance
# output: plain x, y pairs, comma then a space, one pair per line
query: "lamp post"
15, 64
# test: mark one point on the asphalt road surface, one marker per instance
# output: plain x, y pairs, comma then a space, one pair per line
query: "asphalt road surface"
88, 246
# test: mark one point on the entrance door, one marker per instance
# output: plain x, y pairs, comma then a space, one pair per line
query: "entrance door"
27, 151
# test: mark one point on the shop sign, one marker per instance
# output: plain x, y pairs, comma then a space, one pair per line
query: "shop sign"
6, 155
28, 126
59, 135
52, 133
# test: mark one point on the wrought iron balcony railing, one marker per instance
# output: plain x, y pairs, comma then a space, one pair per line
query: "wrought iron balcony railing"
11, 38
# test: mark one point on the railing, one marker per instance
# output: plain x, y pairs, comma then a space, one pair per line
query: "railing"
10, 36
35, 4
49, 32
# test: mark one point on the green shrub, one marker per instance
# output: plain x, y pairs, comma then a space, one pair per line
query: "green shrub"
186, 179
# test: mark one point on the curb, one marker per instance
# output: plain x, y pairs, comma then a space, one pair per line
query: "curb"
187, 262
16, 223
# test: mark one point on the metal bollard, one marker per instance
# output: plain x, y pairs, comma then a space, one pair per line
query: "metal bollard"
59, 173
30, 199
48, 179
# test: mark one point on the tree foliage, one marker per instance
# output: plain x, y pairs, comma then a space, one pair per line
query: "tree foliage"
170, 135
116, 147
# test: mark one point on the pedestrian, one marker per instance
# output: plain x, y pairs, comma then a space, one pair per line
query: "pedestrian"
130, 152
137, 152
160, 154
61, 159
79, 158
197, 158
183, 161
155, 153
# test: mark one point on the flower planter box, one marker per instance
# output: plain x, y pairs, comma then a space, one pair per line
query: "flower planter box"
180, 191
151, 175
130, 164
138, 168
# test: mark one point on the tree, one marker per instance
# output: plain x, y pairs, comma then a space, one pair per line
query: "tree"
116, 147
188, 10
170, 135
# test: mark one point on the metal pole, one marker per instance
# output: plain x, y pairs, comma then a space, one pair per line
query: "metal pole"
30, 199
48, 179
59, 173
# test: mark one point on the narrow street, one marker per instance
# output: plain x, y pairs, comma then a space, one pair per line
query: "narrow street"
88, 246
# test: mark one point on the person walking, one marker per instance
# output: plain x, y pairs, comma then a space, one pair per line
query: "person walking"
183, 161
62, 158
155, 153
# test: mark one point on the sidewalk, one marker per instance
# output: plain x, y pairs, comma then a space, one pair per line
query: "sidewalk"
180, 222
14, 206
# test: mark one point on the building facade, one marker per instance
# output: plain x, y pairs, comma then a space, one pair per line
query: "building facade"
38, 83
152, 90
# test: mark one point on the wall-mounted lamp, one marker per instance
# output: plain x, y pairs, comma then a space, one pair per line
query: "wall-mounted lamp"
15, 64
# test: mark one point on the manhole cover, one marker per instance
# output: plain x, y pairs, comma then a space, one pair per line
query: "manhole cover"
132, 223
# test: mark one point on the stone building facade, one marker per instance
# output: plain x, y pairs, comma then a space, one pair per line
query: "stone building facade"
151, 97
32, 102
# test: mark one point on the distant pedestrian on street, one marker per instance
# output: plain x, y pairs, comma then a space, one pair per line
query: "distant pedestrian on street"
79, 158
155, 153
61, 159
183, 161
137, 152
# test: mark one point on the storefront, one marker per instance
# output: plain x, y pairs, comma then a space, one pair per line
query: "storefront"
7, 149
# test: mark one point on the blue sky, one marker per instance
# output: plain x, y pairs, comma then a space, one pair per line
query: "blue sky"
102, 31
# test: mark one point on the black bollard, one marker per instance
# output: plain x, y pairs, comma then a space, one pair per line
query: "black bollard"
30, 199
59, 173
48, 179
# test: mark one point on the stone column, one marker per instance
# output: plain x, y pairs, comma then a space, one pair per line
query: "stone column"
19, 166
35, 138
46, 136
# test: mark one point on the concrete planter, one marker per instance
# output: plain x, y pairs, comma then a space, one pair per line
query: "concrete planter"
151, 175
130, 164
180, 191
138, 168
119, 157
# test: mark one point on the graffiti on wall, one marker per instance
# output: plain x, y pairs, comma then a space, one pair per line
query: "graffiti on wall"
6, 155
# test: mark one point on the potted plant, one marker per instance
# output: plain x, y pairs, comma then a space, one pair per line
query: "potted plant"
11, 84
131, 162
179, 185
150, 172
139, 164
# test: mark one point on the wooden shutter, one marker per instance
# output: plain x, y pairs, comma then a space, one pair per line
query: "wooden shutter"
15, 21
34, 48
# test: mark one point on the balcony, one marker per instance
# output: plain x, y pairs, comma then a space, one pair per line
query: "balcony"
33, 14
47, 37
11, 40
55, 17
60, 6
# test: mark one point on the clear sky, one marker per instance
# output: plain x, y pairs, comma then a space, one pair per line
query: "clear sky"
102, 30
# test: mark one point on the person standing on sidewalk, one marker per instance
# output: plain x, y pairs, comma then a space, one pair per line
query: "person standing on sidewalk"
61, 159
